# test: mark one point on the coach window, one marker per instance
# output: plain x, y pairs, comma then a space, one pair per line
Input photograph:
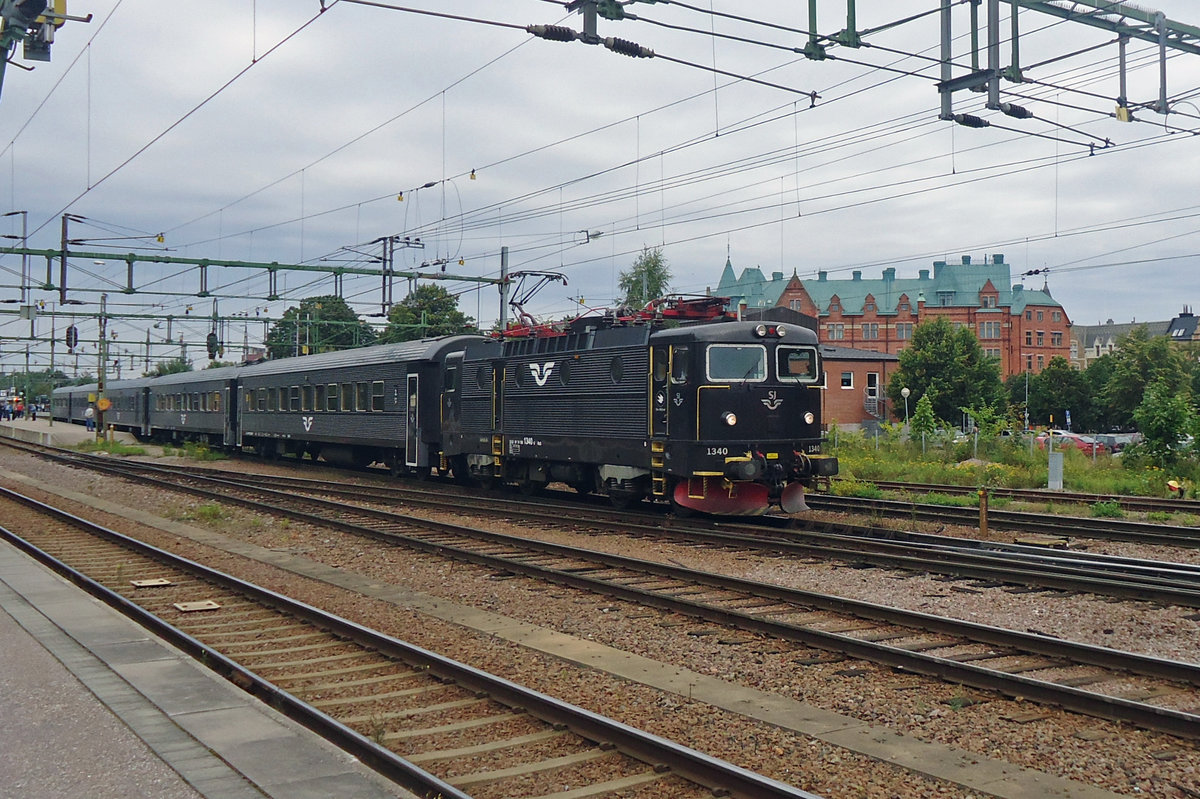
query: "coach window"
196, 401
797, 364
250, 401
347, 396
319, 401
306, 398
294, 398
377, 395
737, 363
262, 399
679, 364
362, 399
215, 402
331, 398
204, 401
179, 402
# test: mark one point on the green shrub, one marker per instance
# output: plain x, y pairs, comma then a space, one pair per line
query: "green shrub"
1108, 510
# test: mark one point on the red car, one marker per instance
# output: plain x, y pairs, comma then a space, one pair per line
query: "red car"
1064, 438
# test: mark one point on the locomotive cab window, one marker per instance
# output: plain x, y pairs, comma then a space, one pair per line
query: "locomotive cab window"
737, 363
797, 364
679, 364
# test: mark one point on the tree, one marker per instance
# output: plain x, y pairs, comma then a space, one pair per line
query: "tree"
923, 420
1139, 361
429, 310
1097, 377
170, 367
1057, 389
318, 324
948, 365
1164, 416
649, 278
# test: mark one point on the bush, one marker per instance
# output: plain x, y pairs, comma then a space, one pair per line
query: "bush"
1107, 510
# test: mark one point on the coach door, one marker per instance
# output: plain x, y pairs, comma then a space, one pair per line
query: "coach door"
412, 431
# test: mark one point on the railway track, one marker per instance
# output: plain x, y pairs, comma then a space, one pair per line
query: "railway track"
1092, 680
991, 562
1053, 525
1009, 564
429, 723
1127, 502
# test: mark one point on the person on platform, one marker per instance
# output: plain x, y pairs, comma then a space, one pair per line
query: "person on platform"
89, 418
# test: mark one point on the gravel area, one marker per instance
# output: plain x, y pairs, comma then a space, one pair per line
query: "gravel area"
1090, 750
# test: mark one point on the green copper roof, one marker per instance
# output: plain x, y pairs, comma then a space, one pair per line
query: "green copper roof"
952, 285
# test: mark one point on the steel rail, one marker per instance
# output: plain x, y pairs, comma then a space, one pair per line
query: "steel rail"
1126, 501
1106, 529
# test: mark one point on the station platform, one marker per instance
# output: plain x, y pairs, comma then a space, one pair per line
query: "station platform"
56, 434
94, 705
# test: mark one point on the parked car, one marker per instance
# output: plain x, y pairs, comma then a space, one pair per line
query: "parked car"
1065, 438
1118, 441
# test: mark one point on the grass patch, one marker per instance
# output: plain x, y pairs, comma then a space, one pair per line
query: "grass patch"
111, 447
208, 512
1107, 510
951, 500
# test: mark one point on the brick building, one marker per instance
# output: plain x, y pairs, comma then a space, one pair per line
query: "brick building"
1022, 328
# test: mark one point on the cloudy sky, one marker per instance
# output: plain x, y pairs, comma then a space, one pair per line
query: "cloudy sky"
268, 130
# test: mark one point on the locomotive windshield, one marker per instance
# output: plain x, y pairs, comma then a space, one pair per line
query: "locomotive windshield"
737, 363
797, 364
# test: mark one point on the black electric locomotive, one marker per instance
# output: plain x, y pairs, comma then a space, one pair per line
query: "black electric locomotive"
720, 417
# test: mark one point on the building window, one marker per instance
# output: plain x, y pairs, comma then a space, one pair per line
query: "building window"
1028, 338
870, 306
796, 305
1055, 339
992, 353
837, 332
904, 330
1056, 316
1029, 315
1041, 337
988, 301
870, 331
1041, 362
847, 379
1028, 363
989, 330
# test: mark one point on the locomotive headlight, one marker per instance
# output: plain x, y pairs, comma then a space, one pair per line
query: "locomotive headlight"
730, 418
760, 331
809, 418
781, 331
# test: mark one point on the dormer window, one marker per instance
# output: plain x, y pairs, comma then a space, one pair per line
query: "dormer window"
988, 301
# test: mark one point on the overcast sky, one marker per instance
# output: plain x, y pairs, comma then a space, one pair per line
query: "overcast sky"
264, 130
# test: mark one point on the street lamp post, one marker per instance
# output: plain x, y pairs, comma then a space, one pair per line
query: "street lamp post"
904, 392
